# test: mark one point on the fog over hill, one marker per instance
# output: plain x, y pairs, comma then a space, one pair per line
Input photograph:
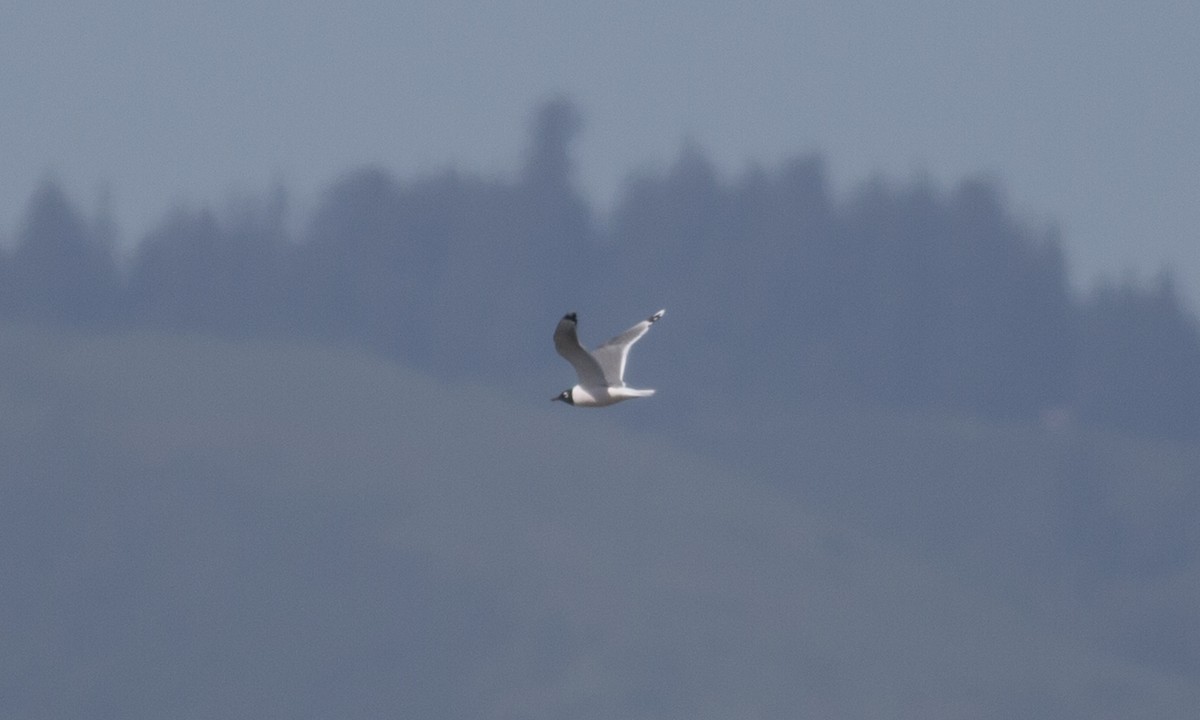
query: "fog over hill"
281, 466
198, 528
899, 293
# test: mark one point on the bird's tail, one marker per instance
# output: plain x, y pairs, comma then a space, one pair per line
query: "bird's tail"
635, 392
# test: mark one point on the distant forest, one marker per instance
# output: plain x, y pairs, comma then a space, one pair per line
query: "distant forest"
902, 294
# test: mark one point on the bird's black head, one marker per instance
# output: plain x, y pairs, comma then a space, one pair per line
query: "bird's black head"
565, 396
570, 316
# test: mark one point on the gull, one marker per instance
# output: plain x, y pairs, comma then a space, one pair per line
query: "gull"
602, 371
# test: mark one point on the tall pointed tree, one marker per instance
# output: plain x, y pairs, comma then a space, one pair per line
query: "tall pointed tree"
59, 270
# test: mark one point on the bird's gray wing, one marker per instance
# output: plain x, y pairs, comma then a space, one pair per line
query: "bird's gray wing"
566, 342
612, 354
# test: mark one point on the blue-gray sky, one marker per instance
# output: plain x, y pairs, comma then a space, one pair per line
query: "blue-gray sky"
1085, 111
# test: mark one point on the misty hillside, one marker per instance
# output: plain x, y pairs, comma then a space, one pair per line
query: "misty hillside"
196, 528
907, 295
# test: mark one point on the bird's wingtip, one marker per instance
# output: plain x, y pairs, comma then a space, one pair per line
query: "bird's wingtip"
657, 315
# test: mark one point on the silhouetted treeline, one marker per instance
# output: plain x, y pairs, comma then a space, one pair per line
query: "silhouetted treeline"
902, 293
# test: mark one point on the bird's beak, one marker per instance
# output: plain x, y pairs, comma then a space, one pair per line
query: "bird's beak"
556, 397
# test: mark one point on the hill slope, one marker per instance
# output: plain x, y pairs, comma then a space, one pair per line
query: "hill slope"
198, 529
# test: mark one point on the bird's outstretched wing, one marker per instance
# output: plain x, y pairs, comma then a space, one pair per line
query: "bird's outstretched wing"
566, 342
612, 354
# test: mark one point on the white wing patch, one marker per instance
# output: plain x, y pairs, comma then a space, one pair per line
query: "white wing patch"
566, 342
612, 355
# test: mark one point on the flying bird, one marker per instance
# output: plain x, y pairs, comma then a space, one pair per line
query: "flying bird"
602, 371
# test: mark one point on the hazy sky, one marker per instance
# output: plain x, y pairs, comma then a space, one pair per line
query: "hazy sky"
1086, 111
